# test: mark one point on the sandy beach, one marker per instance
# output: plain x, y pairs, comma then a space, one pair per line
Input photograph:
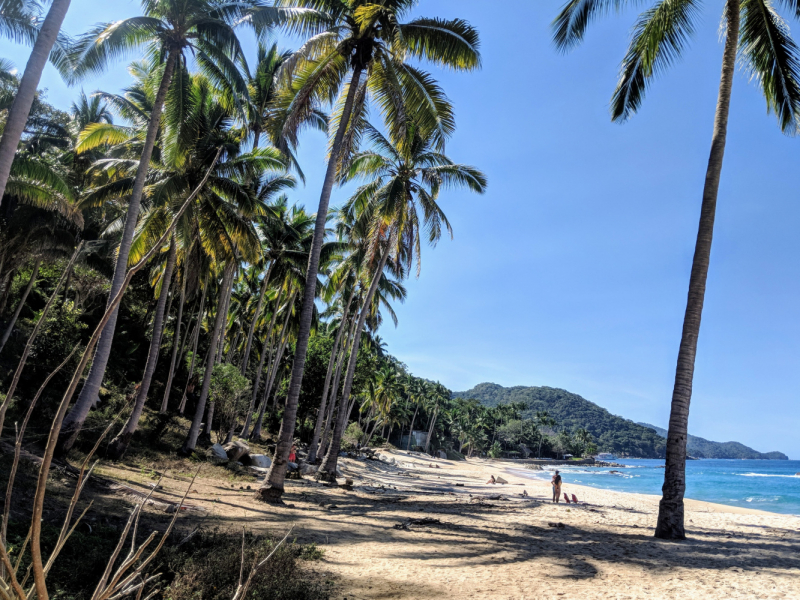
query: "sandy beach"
427, 528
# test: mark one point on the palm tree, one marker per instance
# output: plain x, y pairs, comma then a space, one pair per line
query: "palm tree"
758, 35
369, 43
169, 28
406, 178
18, 21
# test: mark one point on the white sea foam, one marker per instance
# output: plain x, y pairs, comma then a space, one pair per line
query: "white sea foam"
768, 475
762, 499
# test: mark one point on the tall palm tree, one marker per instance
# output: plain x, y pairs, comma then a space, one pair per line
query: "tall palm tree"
759, 36
18, 21
405, 180
168, 28
367, 44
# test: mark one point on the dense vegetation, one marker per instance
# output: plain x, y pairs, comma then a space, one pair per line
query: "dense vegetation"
702, 448
610, 432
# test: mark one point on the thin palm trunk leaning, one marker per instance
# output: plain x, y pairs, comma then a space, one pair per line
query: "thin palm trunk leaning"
273, 489
249, 343
283, 340
176, 341
23, 298
312, 450
271, 366
120, 443
670, 523
52, 440
25, 95
74, 420
195, 340
430, 429
327, 470
266, 349
194, 430
411, 428
32, 338
348, 344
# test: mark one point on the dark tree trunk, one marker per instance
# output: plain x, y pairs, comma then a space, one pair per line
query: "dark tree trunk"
194, 430
71, 426
32, 338
21, 303
259, 306
118, 446
195, 340
312, 450
670, 511
176, 342
327, 470
411, 429
266, 350
273, 488
282, 340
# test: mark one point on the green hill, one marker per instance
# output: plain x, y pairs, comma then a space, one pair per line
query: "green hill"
610, 432
702, 448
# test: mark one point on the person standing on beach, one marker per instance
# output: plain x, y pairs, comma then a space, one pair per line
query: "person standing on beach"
556, 481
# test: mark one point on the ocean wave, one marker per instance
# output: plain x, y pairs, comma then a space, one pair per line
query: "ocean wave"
768, 475
763, 499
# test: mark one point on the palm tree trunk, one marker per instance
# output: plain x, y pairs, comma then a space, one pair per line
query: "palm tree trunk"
71, 426
32, 338
273, 371
23, 100
259, 306
347, 344
195, 340
194, 430
430, 429
411, 429
273, 488
327, 470
266, 349
312, 451
23, 298
120, 443
9, 281
670, 523
176, 341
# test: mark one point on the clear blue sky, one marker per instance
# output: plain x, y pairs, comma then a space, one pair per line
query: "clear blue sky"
572, 271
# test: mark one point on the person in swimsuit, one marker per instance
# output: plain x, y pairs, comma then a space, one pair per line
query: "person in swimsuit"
556, 481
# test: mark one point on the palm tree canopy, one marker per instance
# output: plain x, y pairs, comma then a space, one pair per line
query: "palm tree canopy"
661, 33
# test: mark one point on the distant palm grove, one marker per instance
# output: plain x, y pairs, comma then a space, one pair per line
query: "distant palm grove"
156, 269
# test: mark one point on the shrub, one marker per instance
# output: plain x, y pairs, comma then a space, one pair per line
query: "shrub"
352, 436
208, 566
496, 451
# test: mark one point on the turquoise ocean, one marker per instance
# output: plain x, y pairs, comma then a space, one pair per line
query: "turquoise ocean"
772, 485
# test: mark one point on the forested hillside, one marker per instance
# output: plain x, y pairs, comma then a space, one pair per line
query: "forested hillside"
702, 448
610, 432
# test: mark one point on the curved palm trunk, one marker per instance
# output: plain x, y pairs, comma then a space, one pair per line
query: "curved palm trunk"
194, 430
273, 488
176, 342
283, 340
120, 443
266, 349
430, 429
411, 428
73, 422
327, 470
23, 100
312, 451
273, 371
195, 340
670, 523
18, 310
32, 338
249, 343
